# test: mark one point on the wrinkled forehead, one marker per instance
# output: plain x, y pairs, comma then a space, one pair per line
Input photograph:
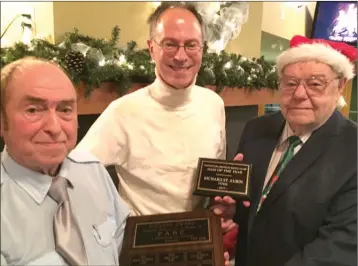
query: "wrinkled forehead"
309, 68
40, 76
34, 71
180, 24
42, 81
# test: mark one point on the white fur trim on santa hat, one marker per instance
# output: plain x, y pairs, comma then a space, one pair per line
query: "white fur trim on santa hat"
341, 102
319, 52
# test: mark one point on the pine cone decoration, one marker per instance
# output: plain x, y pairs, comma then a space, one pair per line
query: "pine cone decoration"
75, 61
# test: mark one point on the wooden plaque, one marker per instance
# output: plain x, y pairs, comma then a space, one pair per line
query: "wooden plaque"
176, 239
216, 177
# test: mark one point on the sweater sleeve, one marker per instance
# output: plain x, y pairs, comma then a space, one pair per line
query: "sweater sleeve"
107, 139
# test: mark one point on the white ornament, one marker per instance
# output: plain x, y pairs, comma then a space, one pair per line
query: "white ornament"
225, 26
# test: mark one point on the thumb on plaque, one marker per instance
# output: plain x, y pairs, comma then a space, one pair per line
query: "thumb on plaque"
239, 157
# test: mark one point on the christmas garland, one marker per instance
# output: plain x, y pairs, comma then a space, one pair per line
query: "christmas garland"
93, 61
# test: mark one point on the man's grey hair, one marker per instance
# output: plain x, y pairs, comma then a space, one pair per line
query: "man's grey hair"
164, 6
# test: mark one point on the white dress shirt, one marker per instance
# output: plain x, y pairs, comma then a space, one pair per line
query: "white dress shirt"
281, 148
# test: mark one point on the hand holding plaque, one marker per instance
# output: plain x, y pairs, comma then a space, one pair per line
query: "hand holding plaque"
216, 177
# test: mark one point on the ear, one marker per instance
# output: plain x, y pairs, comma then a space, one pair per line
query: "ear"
342, 85
2, 123
150, 47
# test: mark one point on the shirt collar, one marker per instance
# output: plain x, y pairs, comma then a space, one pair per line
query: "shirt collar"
288, 132
169, 96
34, 183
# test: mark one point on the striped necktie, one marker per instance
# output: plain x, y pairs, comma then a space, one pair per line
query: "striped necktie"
294, 141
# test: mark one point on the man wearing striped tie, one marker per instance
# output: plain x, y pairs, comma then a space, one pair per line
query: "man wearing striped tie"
303, 205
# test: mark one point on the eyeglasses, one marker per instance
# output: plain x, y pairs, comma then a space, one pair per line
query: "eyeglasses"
315, 86
170, 47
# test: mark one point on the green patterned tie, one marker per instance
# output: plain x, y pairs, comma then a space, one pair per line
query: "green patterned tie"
294, 141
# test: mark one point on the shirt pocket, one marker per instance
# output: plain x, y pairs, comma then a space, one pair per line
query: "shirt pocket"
104, 232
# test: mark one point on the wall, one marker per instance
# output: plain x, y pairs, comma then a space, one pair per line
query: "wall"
283, 20
131, 19
311, 8
97, 19
249, 40
42, 13
272, 46
236, 118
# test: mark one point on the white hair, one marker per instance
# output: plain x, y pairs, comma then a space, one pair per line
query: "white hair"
341, 102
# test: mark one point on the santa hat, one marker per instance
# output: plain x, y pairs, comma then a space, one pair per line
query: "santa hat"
340, 56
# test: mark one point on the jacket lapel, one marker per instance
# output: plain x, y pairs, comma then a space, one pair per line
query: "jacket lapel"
263, 148
306, 156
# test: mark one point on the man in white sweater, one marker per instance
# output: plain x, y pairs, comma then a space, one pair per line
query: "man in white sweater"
154, 136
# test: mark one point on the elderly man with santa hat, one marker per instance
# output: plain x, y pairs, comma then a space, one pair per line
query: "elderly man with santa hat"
303, 205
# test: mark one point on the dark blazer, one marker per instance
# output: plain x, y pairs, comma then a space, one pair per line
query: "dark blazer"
310, 216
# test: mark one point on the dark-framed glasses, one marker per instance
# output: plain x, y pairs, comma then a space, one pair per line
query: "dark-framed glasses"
172, 47
314, 85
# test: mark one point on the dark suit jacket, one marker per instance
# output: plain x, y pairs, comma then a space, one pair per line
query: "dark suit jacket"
310, 216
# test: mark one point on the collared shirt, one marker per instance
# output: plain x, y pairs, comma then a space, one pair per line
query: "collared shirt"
27, 212
281, 148
155, 136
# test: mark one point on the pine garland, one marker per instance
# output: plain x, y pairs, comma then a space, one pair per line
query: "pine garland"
106, 62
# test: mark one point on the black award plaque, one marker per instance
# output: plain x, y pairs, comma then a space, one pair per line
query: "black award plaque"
216, 177
176, 239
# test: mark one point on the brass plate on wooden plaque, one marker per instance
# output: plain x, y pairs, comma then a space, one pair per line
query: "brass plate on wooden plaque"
216, 177
176, 239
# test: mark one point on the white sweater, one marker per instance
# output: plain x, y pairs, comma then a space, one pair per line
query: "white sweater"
154, 137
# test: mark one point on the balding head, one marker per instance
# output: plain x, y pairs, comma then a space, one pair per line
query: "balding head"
39, 114
179, 8
176, 44
14, 71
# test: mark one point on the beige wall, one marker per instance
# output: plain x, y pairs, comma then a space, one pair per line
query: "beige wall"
98, 19
42, 13
311, 8
283, 20
248, 43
